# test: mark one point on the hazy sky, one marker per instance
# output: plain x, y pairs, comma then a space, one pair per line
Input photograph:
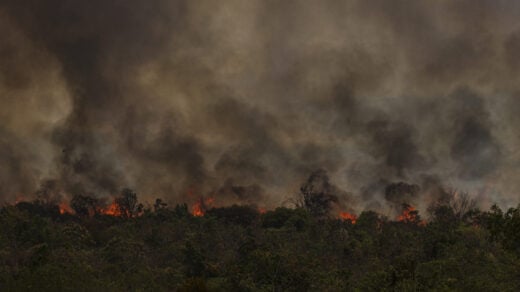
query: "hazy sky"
244, 99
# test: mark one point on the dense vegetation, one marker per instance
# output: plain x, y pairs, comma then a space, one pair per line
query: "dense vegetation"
238, 249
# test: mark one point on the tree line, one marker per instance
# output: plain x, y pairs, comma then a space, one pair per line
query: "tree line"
453, 247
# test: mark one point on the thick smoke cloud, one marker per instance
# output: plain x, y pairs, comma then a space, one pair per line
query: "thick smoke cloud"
244, 99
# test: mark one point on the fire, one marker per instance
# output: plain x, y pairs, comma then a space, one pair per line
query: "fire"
262, 210
197, 209
200, 207
410, 215
64, 208
112, 210
19, 199
348, 216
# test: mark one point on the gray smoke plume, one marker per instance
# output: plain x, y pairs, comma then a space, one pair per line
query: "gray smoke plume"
245, 99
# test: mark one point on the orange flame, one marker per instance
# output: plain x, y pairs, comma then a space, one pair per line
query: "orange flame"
410, 214
197, 210
348, 216
262, 210
64, 208
200, 207
112, 210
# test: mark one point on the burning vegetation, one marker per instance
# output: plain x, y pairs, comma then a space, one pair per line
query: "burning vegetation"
410, 215
201, 206
210, 250
207, 246
318, 196
347, 216
220, 109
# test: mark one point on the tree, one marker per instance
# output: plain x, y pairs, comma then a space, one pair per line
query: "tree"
127, 203
461, 203
241, 215
276, 218
455, 206
159, 205
84, 205
318, 194
193, 261
512, 229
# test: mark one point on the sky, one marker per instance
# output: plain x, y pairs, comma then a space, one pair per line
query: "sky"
243, 100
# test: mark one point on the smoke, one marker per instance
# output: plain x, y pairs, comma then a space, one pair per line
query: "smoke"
245, 99
401, 193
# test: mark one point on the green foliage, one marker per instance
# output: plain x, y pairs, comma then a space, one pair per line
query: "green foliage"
242, 215
84, 205
237, 249
505, 227
284, 217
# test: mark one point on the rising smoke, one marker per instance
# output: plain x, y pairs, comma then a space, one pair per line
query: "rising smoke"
244, 99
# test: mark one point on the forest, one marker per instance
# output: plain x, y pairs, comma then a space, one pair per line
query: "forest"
129, 247
165, 145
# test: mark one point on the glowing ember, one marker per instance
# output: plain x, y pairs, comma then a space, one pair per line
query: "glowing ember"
348, 216
19, 199
64, 208
262, 210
